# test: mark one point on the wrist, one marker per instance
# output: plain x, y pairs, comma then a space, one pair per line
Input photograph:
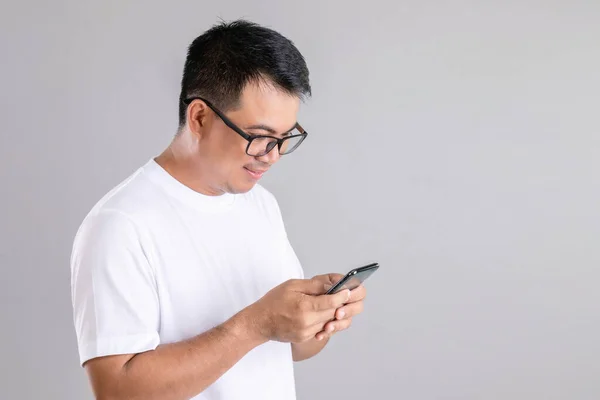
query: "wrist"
247, 326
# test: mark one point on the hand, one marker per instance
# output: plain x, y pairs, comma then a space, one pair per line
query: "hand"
344, 314
296, 310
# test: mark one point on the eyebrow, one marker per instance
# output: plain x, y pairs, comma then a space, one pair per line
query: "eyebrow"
269, 129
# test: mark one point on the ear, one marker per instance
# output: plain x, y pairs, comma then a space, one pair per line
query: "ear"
197, 116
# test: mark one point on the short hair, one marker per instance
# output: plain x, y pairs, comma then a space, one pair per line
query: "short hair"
228, 56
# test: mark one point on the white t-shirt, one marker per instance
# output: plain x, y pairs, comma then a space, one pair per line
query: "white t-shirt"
155, 262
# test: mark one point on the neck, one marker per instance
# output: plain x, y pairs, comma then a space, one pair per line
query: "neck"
183, 162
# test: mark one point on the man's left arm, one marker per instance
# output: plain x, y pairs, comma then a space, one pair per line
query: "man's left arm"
341, 320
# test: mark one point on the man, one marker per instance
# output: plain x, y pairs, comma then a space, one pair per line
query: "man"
184, 283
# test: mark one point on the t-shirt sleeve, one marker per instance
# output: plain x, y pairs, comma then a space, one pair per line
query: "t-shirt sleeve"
113, 288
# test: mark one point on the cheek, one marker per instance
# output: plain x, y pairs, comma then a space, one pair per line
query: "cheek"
231, 154
222, 147
233, 150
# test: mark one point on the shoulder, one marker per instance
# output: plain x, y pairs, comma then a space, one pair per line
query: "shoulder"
131, 199
119, 214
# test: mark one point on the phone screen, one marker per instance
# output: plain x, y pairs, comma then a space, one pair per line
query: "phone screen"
354, 278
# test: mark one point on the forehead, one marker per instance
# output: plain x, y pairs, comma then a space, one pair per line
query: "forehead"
262, 103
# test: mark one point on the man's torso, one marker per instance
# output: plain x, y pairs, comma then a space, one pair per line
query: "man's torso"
209, 258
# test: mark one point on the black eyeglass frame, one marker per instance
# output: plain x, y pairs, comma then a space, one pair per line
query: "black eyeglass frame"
250, 138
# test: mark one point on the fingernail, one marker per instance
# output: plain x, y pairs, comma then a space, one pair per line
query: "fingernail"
341, 314
331, 328
319, 337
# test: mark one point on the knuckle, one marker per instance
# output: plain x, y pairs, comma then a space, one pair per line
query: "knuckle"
332, 303
303, 304
316, 281
304, 320
303, 336
331, 315
291, 282
301, 320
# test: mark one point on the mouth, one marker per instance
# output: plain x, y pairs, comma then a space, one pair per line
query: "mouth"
255, 174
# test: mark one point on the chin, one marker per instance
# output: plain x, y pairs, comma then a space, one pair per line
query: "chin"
240, 187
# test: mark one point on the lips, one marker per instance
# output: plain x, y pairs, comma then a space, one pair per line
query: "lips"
255, 173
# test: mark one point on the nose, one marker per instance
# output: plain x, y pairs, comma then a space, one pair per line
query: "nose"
271, 157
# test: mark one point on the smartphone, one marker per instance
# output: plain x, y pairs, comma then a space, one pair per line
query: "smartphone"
354, 278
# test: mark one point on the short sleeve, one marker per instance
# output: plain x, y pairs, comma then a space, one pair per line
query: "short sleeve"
113, 288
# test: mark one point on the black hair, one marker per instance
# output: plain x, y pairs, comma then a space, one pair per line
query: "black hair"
228, 56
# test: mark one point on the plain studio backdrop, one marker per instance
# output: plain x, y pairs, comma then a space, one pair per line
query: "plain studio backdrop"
456, 143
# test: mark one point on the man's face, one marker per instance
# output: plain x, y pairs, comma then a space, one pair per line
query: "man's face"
263, 111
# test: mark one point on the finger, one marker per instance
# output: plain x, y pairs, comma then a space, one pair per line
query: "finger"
312, 318
313, 286
316, 330
329, 301
329, 279
333, 278
349, 310
332, 327
322, 335
320, 328
325, 332
358, 294
338, 326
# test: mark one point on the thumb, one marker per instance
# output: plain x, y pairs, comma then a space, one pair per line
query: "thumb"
332, 279
313, 286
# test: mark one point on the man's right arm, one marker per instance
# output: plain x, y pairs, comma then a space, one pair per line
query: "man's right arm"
175, 371
294, 311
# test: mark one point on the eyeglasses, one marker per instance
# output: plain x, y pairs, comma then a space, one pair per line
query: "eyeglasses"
260, 145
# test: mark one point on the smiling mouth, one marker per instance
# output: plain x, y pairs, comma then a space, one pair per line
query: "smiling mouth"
255, 174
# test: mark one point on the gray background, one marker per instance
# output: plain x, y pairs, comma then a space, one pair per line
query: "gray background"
457, 144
